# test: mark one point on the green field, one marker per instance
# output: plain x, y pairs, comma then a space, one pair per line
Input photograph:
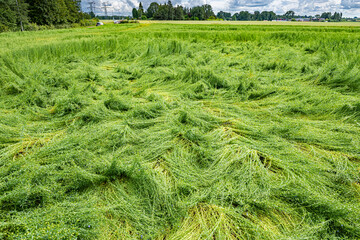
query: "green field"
181, 131
262, 23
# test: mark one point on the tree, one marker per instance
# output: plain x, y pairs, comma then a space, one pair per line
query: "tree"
162, 12
140, 11
244, 16
289, 14
49, 12
187, 13
61, 11
170, 15
272, 16
257, 16
326, 15
153, 8
53, 12
12, 13
336, 17
197, 13
179, 13
19, 15
224, 15
165, 11
135, 13
73, 11
208, 11
268, 16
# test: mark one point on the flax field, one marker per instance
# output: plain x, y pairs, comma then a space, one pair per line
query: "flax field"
180, 131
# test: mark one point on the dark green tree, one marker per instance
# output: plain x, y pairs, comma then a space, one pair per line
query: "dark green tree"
289, 14
179, 13
170, 8
244, 16
208, 11
135, 13
268, 16
140, 11
257, 16
224, 15
12, 14
272, 16
73, 9
53, 11
336, 17
162, 12
187, 13
153, 8
326, 15
235, 17
197, 13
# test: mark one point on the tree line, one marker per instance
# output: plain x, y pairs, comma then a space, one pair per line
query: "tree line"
15, 13
205, 12
269, 16
168, 12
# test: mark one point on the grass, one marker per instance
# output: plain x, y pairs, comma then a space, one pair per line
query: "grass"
324, 24
186, 131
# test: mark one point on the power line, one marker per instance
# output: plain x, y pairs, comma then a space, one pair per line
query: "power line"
105, 7
91, 7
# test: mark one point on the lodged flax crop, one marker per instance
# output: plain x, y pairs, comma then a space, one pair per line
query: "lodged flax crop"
163, 131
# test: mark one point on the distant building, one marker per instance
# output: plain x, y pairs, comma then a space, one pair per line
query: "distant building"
302, 19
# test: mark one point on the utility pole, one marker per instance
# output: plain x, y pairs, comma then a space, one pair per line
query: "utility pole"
105, 6
20, 17
91, 6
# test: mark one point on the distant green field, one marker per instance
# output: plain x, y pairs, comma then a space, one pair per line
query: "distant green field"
274, 23
180, 131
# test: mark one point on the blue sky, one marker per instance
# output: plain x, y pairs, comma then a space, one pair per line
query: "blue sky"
349, 8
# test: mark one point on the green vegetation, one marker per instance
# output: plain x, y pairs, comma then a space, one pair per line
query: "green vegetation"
167, 11
170, 131
29, 14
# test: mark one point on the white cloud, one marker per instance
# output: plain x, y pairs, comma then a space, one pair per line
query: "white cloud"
349, 8
349, 4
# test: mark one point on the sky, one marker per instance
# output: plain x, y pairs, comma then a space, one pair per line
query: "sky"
349, 8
